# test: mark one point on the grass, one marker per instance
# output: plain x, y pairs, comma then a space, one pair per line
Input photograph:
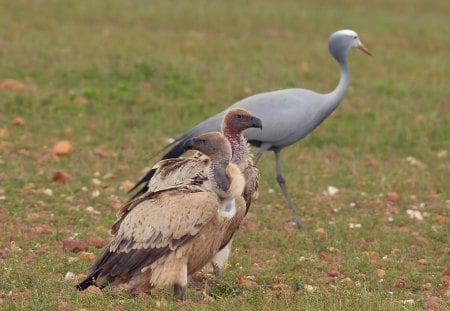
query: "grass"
151, 71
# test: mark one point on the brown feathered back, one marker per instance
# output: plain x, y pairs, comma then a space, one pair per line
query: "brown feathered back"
161, 237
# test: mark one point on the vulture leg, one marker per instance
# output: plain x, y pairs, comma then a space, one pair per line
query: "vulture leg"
180, 287
283, 187
180, 292
220, 259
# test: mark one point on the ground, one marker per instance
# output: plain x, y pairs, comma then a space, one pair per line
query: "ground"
91, 91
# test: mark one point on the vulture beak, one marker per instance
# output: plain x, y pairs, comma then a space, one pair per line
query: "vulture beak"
256, 122
363, 48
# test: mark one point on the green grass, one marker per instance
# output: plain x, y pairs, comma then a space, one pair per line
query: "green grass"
151, 70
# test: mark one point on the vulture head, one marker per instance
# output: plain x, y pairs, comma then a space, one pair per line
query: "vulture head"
212, 144
238, 119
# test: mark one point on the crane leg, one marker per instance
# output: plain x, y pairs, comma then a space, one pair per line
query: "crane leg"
263, 148
282, 183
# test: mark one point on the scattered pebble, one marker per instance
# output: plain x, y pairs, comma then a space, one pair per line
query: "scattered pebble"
332, 190
392, 196
414, 214
95, 193
309, 288
380, 273
48, 192
70, 276
414, 162
62, 148
354, 226
92, 210
86, 256
19, 121
442, 154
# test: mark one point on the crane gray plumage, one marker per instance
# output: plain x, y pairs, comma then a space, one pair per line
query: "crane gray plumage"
288, 115
161, 238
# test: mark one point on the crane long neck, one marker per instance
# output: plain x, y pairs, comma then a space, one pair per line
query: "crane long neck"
335, 97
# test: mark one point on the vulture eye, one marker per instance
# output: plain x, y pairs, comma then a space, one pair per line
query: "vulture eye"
238, 117
355, 37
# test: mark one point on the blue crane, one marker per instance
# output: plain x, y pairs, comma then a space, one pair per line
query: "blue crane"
287, 115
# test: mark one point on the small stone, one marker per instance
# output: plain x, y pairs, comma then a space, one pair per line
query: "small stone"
432, 303
94, 290
380, 273
70, 276
80, 100
91, 210
19, 121
413, 214
399, 283
95, 193
422, 262
96, 242
426, 285
309, 288
62, 177
62, 148
86, 256
392, 197
332, 190
321, 232
74, 245
48, 192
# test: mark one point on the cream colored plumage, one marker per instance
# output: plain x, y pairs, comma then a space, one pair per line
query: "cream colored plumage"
175, 171
162, 237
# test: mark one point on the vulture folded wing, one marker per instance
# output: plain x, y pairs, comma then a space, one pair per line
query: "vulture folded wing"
177, 171
154, 225
252, 176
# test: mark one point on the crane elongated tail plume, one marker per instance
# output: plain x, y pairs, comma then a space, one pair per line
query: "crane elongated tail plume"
288, 115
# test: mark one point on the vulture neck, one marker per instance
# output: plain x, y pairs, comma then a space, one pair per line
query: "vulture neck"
238, 146
333, 99
218, 175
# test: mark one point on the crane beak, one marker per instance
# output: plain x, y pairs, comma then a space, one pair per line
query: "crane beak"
363, 48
